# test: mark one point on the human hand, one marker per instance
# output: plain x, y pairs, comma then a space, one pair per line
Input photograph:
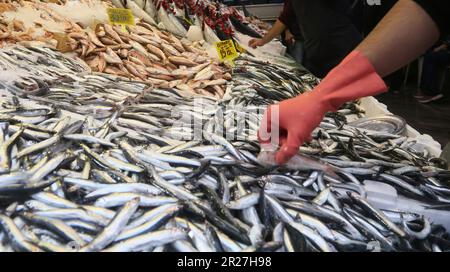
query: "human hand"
253, 43
290, 123
289, 38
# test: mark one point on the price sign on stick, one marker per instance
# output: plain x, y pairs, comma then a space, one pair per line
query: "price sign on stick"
120, 16
226, 50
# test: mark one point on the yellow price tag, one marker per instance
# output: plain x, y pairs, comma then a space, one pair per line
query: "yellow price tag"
239, 48
226, 50
120, 16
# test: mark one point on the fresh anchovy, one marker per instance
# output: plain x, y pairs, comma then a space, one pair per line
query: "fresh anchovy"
174, 190
5, 159
138, 188
70, 214
83, 226
58, 226
39, 146
102, 177
151, 214
125, 166
170, 158
402, 184
152, 224
379, 215
97, 158
213, 239
119, 199
370, 230
84, 183
14, 235
34, 205
54, 200
12, 178
99, 211
196, 234
116, 225
46, 169
244, 202
88, 139
152, 239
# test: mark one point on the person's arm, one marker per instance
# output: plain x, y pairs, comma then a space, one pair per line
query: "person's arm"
280, 25
405, 33
444, 46
275, 31
441, 47
289, 37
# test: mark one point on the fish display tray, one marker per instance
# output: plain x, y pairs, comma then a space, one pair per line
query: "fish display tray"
389, 123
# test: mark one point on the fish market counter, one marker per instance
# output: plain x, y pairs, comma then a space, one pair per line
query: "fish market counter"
121, 165
142, 140
386, 197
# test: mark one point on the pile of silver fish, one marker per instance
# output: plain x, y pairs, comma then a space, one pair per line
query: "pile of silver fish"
164, 172
256, 82
31, 71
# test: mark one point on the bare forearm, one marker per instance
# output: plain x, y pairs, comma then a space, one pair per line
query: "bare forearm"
275, 31
440, 48
405, 33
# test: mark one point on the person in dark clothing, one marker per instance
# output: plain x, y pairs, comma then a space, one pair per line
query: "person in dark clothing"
294, 45
287, 24
434, 61
373, 14
356, 14
328, 32
326, 27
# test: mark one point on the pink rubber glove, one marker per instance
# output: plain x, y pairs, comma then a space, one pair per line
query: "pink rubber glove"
293, 120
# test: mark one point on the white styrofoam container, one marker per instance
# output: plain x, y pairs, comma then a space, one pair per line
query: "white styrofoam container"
374, 108
384, 197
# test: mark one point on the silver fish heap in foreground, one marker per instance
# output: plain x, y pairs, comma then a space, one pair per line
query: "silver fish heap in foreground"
107, 164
